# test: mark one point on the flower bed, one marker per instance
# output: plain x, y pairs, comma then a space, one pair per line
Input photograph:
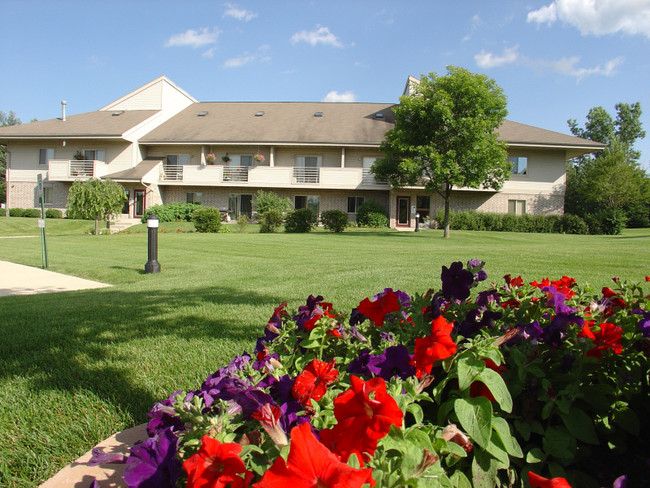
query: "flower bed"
509, 386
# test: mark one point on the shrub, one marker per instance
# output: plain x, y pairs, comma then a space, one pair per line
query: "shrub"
610, 222
32, 212
206, 219
300, 221
172, 212
268, 200
16, 212
572, 224
376, 220
370, 207
53, 213
270, 221
334, 220
242, 223
638, 215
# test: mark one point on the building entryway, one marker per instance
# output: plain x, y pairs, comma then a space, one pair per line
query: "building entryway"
138, 203
403, 212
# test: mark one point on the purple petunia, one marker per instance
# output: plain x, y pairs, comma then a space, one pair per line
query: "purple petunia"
644, 322
394, 361
359, 365
555, 331
153, 463
556, 299
456, 281
309, 311
476, 267
162, 416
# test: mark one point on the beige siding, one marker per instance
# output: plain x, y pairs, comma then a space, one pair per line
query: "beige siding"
147, 99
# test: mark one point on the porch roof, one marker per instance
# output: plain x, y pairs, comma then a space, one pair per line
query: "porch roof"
137, 172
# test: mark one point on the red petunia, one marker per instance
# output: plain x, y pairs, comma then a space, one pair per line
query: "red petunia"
537, 481
438, 345
376, 311
312, 383
216, 465
478, 388
364, 413
606, 336
310, 464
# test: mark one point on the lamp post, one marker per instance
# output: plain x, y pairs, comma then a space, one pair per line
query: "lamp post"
417, 222
152, 265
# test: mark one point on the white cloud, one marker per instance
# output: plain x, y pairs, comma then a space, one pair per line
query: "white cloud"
194, 38
237, 13
335, 96
568, 66
321, 35
491, 60
598, 17
247, 58
209, 53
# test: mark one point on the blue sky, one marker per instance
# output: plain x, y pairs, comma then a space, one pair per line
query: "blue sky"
554, 59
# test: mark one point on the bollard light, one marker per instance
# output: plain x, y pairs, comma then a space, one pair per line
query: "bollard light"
152, 266
417, 222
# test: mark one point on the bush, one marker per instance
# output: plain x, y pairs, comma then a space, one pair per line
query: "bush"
206, 219
572, 224
268, 200
242, 223
376, 220
32, 212
172, 212
370, 207
300, 221
16, 212
270, 221
610, 222
53, 213
638, 215
334, 220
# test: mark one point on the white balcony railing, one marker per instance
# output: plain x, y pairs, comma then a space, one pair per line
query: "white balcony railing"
367, 178
306, 175
172, 172
73, 169
235, 173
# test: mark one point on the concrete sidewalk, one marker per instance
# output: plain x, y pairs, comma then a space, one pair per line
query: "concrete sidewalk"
17, 279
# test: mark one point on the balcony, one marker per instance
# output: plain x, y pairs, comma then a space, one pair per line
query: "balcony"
271, 177
70, 170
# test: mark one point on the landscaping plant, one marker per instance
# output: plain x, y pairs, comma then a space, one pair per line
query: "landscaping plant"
522, 384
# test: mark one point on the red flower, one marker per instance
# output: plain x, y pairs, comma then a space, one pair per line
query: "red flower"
647, 278
310, 464
376, 311
477, 388
364, 413
564, 286
511, 304
537, 481
607, 336
313, 381
608, 292
438, 345
216, 465
545, 282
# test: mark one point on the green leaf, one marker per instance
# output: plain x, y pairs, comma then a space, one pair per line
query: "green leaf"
535, 455
468, 369
484, 471
475, 417
459, 480
497, 387
628, 421
580, 425
498, 451
559, 443
523, 428
416, 411
501, 427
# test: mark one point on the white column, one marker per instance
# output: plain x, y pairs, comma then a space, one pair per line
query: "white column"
272, 157
342, 157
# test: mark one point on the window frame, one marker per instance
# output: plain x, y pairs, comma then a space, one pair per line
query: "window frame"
515, 160
517, 206
48, 155
191, 197
356, 201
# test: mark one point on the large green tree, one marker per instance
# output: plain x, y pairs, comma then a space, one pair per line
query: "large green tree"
5, 120
95, 199
611, 179
445, 136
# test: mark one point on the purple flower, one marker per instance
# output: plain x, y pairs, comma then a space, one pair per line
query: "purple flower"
644, 323
359, 366
531, 332
476, 267
309, 311
163, 416
434, 310
556, 330
100, 457
487, 297
357, 335
556, 300
356, 317
620, 482
394, 361
153, 463
387, 337
456, 281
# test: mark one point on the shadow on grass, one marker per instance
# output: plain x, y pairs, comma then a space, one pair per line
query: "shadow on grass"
92, 340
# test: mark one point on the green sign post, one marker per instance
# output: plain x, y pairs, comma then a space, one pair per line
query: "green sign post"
41, 222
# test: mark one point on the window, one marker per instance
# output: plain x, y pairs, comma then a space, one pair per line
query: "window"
517, 207
94, 154
47, 196
44, 155
308, 161
178, 159
312, 202
519, 165
240, 205
423, 207
354, 203
240, 160
195, 197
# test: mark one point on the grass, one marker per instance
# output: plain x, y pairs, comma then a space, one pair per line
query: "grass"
77, 367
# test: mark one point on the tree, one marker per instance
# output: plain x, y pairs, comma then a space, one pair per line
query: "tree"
5, 120
95, 199
445, 136
611, 179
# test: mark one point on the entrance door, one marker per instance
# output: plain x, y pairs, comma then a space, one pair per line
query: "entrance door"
403, 211
139, 203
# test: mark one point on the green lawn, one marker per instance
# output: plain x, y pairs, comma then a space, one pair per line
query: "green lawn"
76, 367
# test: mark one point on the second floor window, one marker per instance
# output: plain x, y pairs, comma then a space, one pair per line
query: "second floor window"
44, 155
94, 154
519, 165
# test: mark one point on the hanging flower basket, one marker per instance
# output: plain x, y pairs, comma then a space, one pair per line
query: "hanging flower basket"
210, 158
259, 158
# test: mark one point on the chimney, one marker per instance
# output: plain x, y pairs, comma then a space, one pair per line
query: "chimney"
63, 104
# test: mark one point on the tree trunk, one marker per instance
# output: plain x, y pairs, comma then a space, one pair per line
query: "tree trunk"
446, 222
96, 224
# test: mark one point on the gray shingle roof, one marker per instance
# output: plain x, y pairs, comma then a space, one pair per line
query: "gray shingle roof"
90, 124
